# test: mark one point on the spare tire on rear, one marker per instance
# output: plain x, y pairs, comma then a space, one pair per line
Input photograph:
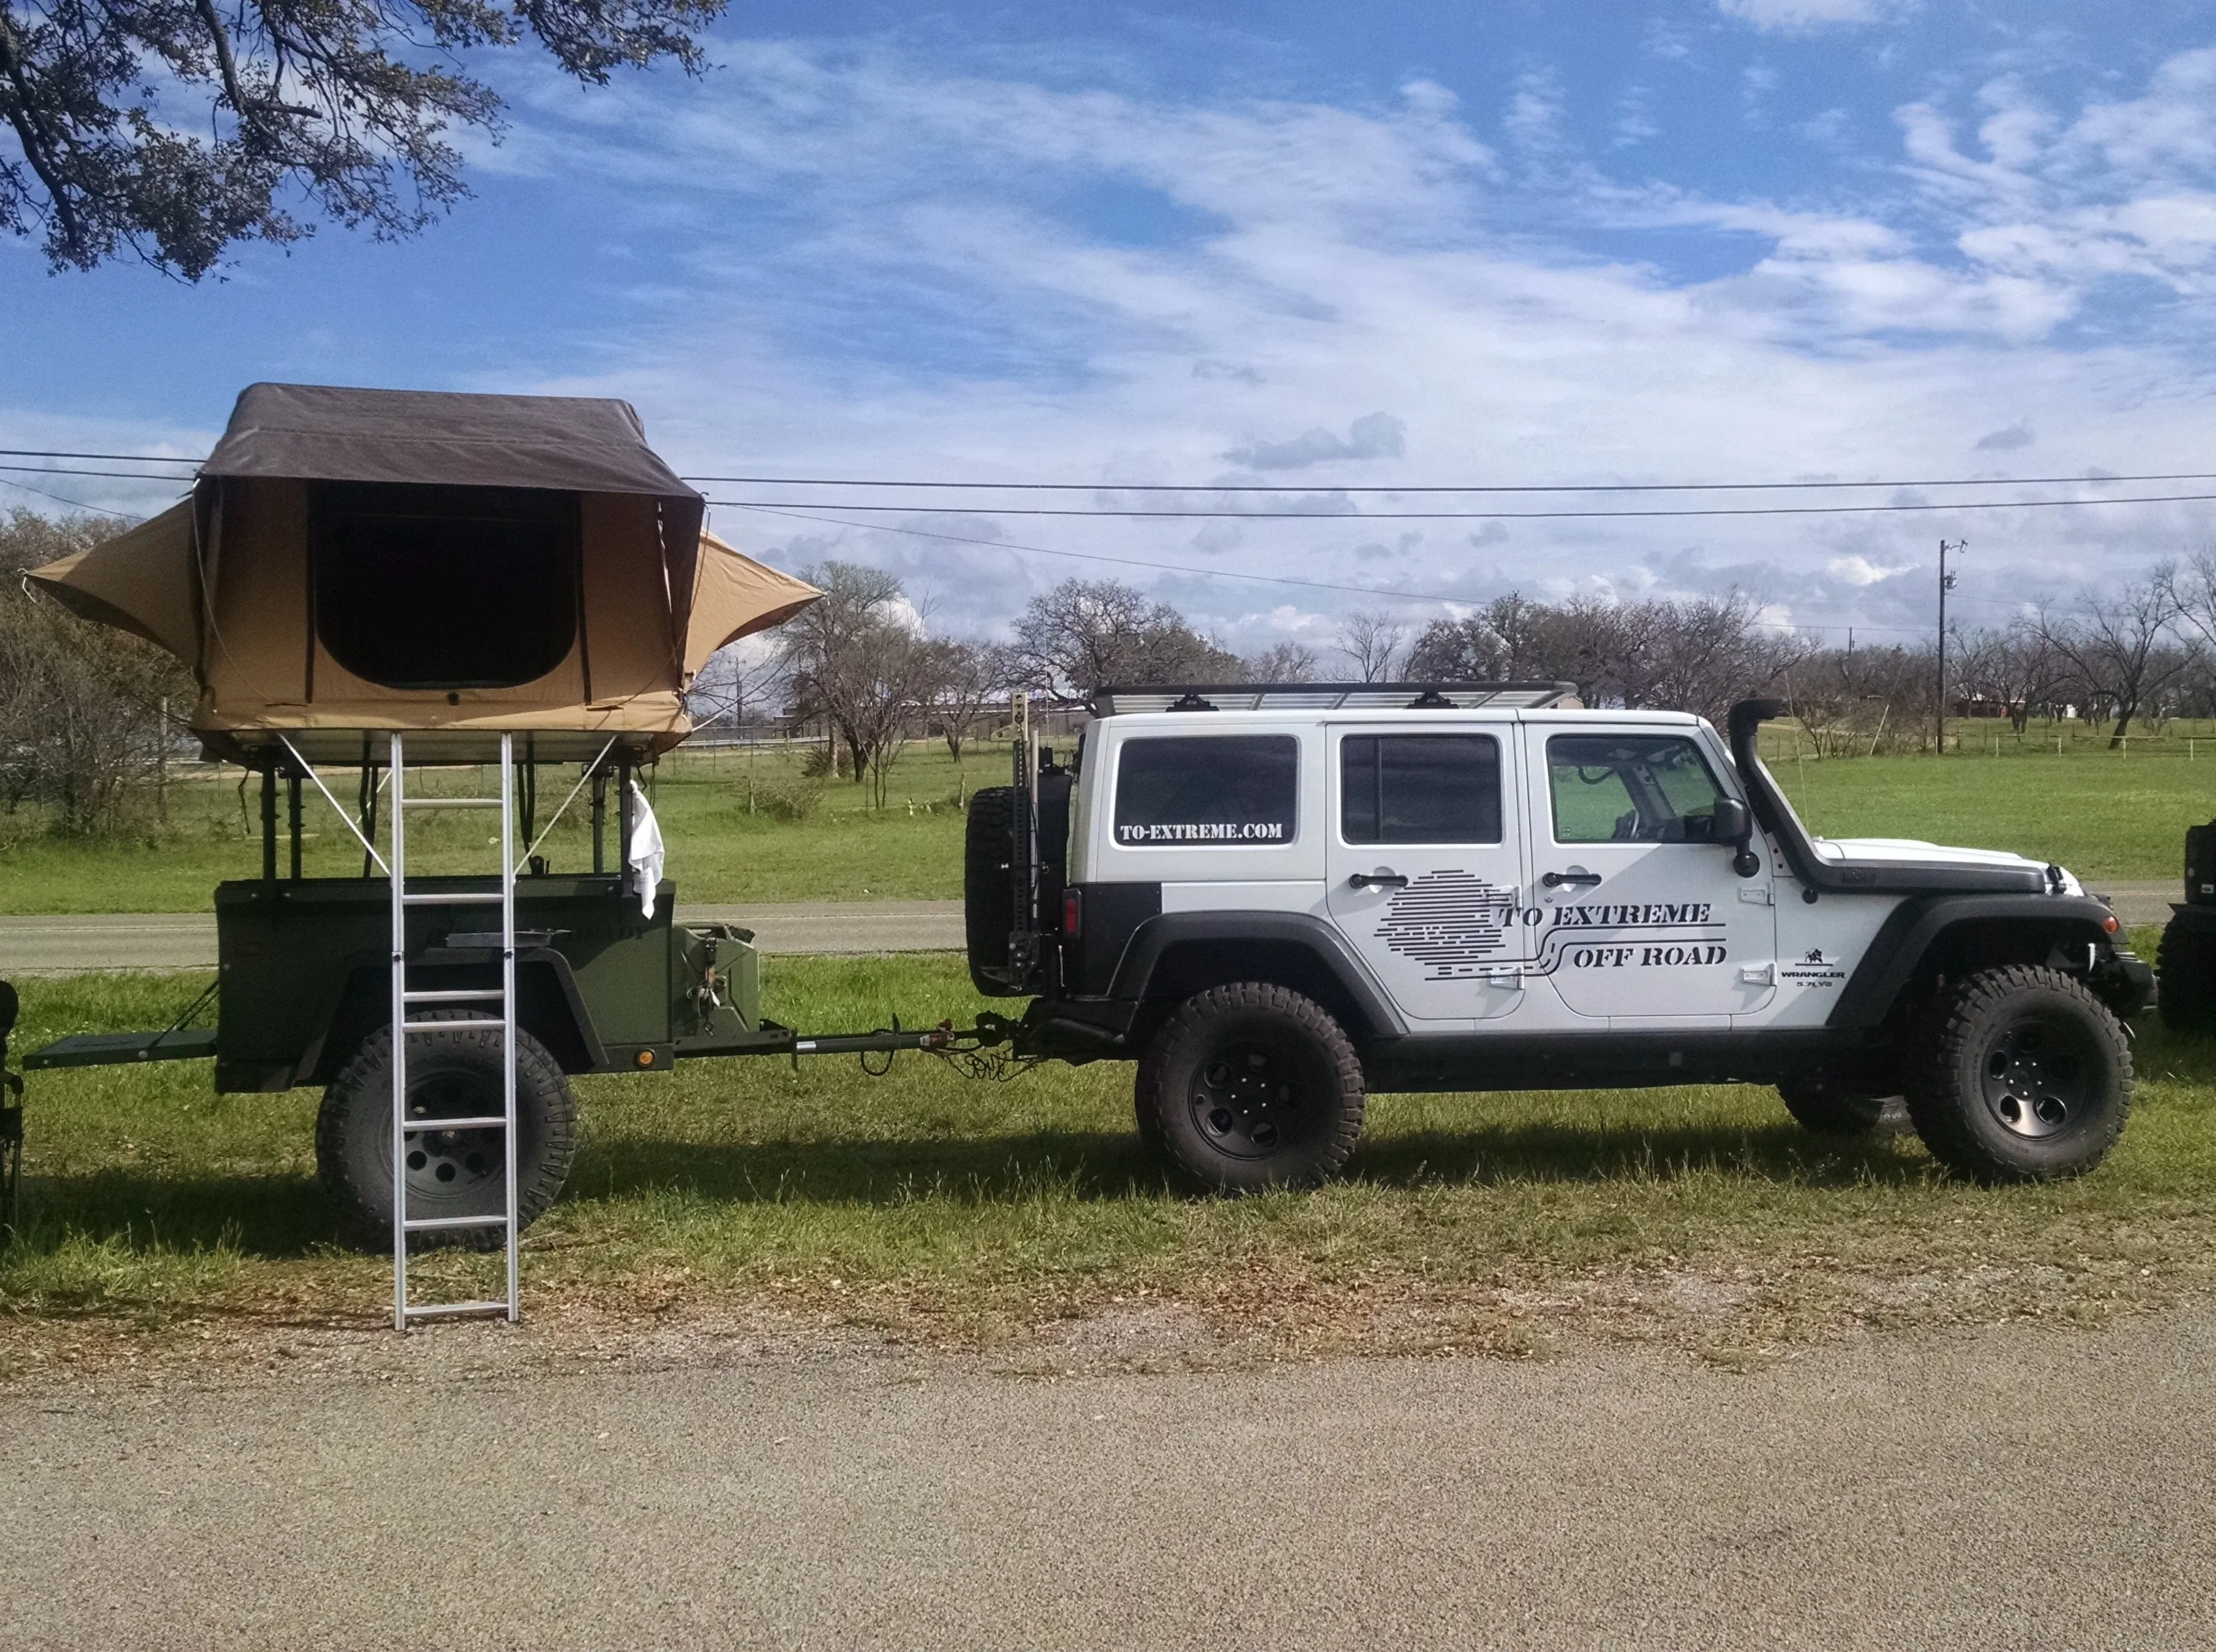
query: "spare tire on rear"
988, 897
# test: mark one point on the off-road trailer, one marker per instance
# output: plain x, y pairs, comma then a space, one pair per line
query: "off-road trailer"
403, 583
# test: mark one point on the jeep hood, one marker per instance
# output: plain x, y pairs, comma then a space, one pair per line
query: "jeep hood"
1886, 853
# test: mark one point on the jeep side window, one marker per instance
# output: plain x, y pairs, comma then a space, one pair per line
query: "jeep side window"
1420, 789
1631, 789
1222, 788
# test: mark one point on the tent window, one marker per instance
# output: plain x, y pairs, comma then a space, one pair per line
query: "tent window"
430, 587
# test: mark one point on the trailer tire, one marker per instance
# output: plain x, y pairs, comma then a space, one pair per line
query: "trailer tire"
451, 1173
2019, 1074
2185, 969
988, 898
1251, 1086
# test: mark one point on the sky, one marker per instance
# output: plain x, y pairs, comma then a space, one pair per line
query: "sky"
1302, 248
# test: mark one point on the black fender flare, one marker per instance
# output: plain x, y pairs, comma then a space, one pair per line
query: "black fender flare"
1153, 939
1902, 942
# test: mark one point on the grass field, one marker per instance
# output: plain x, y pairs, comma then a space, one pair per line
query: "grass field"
719, 851
931, 1206
2101, 813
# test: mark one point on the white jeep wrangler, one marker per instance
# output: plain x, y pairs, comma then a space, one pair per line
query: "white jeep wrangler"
1276, 899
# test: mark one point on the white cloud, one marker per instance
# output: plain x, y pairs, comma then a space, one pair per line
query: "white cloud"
917, 304
1793, 15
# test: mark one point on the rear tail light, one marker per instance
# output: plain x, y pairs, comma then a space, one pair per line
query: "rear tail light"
1073, 913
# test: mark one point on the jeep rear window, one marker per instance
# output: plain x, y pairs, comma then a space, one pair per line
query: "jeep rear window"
1631, 789
1420, 789
1224, 790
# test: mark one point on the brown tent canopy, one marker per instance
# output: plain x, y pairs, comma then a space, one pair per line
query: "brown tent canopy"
371, 559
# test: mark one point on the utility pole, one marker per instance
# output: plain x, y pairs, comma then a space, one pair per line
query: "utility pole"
1946, 584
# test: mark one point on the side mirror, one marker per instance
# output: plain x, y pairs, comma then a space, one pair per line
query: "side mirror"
1735, 826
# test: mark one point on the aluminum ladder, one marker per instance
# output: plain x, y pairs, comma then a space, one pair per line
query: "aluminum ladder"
406, 1000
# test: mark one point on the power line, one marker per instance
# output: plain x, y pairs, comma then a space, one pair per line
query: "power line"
73, 471
1442, 488
74, 504
1487, 516
1280, 487
70, 453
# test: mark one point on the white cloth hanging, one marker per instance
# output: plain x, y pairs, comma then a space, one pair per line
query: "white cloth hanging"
646, 851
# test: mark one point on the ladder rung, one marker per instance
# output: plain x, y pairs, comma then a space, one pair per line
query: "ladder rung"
433, 1224
488, 1121
451, 802
492, 898
448, 1309
469, 1024
456, 995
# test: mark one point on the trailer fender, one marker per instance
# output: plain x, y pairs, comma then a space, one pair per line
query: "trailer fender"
548, 1006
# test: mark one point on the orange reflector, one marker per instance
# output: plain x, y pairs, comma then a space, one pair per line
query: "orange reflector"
646, 1057
2109, 923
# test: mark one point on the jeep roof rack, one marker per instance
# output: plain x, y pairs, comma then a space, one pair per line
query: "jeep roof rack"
1330, 696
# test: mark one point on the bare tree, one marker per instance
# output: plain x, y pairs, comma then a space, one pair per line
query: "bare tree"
1087, 634
1281, 662
965, 679
1373, 640
81, 724
855, 661
2115, 645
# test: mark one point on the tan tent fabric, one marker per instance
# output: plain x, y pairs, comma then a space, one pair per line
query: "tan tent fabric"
237, 600
735, 596
141, 581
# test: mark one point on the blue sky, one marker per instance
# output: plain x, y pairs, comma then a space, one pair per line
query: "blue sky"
1309, 246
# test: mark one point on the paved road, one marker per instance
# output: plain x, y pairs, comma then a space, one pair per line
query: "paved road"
64, 946
2024, 1488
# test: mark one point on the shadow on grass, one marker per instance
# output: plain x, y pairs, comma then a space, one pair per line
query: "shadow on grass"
275, 1217
265, 1216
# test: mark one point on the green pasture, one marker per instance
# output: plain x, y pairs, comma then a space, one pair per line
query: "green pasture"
932, 1204
2104, 813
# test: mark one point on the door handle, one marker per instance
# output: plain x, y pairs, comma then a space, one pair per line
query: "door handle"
1377, 880
1556, 880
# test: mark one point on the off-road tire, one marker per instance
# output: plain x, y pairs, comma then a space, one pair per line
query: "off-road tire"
2185, 971
988, 900
1824, 1109
456, 1074
2019, 1074
1251, 1086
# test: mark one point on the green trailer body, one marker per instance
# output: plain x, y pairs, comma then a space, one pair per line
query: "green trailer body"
305, 973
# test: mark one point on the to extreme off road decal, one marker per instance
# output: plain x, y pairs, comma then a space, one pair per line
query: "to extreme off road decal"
1203, 831
1457, 927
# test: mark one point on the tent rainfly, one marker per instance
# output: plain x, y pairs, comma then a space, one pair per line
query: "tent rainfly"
354, 560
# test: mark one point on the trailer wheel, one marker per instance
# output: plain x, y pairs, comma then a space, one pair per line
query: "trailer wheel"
2019, 1074
449, 1172
2186, 971
1252, 1086
1824, 1109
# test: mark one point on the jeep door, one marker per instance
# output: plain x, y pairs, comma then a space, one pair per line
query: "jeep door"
1425, 868
1646, 920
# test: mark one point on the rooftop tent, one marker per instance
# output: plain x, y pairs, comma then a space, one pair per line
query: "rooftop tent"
369, 560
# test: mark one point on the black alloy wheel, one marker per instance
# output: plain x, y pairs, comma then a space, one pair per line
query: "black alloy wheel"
2038, 1076
2019, 1074
1250, 1085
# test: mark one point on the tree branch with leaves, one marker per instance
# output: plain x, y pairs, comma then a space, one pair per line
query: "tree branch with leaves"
173, 130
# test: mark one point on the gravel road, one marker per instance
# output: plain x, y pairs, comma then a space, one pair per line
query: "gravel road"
69, 945
2014, 1487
